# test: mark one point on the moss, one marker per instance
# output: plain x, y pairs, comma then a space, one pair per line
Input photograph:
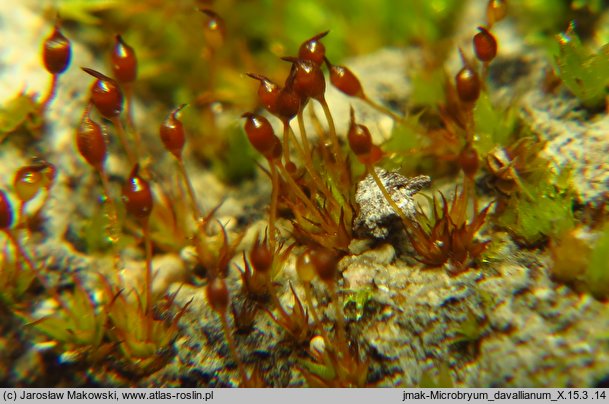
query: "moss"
571, 255
15, 280
443, 379
427, 88
548, 213
358, 301
21, 111
495, 126
583, 72
180, 64
597, 273
238, 160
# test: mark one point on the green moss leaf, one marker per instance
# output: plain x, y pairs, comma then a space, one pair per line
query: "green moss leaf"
549, 213
16, 112
494, 126
584, 73
427, 88
358, 299
402, 147
84, 11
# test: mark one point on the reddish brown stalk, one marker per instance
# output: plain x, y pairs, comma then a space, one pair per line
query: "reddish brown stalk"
52, 92
149, 277
274, 199
122, 135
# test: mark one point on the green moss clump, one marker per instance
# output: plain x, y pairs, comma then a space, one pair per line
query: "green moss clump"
494, 126
583, 72
15, 280
21, 111
548, 213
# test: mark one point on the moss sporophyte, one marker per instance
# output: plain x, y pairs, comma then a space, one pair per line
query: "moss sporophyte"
335, 184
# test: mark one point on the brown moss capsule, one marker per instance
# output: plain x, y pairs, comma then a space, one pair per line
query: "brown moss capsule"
267, 92
260, 133
359, 137
375, 155
91, 142
56, 52
485, 45
288, 103
325, 262
305, 268
124, 62
308, 79
137, 195
261, 257
106, 95
312, 49
468, 84
468, 160
275, 152
217, 295
496, 10
172, 133
345, 80
290, 167
28, 182
6, 212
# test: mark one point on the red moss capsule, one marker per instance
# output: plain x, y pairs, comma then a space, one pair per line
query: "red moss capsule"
312, 49
496, 10
288, 103
468, 84
267, 92
137, 195
359, 137
28, 182
172, 133
291, 168
325, 262
308, 79
124, 62
260, 133
468, 160
56, 52
275, 153
217, 295
6, 212
261, 257
485, 45
91, 142
106, 95
345, 80
375, 155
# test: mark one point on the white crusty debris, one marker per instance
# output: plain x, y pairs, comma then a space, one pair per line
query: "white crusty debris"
376, 217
